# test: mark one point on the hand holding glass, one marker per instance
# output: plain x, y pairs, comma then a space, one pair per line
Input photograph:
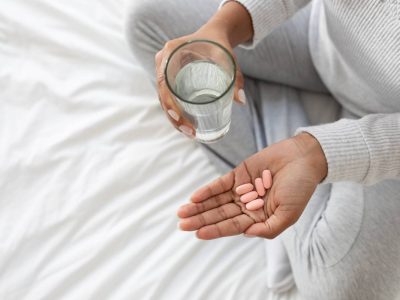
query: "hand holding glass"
201, 75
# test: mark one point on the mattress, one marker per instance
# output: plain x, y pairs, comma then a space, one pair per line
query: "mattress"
92, 174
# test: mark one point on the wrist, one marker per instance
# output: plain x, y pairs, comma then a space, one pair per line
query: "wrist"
217, 29
233, 21
311, 150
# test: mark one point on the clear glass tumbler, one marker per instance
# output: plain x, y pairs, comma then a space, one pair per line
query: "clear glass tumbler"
201, 74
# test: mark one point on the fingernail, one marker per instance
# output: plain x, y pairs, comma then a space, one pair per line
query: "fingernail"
179, 225
186, 130
242, 96
173, 114
248, 235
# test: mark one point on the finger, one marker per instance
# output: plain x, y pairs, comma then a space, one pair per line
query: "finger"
218, 186
209, 217
192, 209
233, 226
174, 113
168, 102
271, 228
239, 94
165, 96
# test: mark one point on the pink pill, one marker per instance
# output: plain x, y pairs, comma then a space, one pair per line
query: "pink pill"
267, 178
254, 205
244, 188
259, 187
249, 197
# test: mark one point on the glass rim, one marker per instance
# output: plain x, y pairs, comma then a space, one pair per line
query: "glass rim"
200, 41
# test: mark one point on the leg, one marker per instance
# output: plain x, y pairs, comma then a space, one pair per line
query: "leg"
347, 243
150, 24
282, 57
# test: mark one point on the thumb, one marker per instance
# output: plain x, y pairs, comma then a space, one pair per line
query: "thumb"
271, 228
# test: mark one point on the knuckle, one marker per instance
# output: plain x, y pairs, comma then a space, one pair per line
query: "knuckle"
202, 220
167, 45
170, 45
219, 230
219, 200
160, 78
239, 77
237, 225
200, 207
222, 212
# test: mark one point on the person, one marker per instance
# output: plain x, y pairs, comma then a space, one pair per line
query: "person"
321, 91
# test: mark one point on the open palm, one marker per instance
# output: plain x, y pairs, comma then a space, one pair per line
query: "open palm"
216, 210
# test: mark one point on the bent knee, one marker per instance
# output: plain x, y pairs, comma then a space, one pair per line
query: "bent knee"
335, 257
150, 24
331, 223
352, 279
143, 27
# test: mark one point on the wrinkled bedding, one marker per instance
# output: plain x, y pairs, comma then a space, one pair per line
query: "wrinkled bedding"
91, 173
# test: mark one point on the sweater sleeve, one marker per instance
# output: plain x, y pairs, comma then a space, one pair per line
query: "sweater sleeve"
266, 15
366, 150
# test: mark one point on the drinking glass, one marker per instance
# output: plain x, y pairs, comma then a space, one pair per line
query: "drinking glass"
201, 75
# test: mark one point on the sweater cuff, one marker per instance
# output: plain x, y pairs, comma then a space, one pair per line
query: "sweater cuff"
345, 149
266, 16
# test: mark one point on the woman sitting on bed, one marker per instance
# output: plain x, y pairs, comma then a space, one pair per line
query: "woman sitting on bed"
323, 92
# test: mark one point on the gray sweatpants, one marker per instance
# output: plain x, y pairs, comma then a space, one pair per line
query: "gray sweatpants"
346, 245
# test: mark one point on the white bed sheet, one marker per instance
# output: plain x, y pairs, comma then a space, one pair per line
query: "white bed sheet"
91, 173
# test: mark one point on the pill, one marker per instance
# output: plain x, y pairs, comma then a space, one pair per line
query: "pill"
249, 197
267, 178
254, 205
259, 187
244, 188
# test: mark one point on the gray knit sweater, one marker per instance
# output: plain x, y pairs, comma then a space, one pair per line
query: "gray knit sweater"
355, 46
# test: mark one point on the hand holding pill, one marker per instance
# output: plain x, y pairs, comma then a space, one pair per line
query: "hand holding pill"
262, 196
251, 197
